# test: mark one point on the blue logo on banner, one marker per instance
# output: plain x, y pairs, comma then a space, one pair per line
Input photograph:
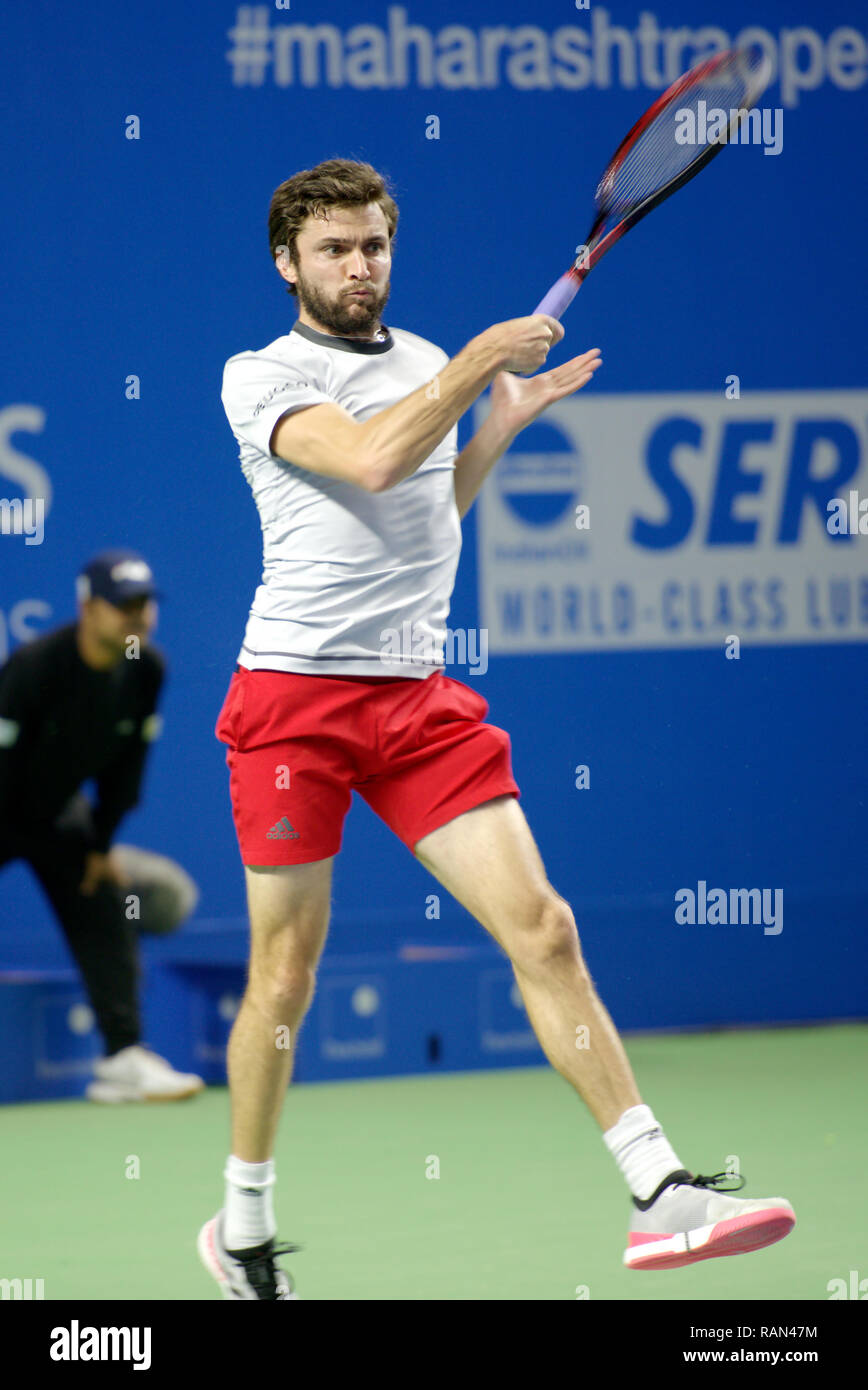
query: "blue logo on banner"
544, 481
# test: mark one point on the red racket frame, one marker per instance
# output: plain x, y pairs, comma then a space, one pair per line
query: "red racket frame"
597, 249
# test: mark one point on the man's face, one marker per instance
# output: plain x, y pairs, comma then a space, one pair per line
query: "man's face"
110, 625
338, 256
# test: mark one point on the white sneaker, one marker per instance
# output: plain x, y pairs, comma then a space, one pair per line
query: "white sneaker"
136, 1073
684, 1222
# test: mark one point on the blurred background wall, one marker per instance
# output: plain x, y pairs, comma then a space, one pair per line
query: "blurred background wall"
143, 145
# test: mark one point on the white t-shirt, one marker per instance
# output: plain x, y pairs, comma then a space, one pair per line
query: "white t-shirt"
353, 583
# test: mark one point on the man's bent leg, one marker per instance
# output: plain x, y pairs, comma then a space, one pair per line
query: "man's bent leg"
166, 893
488, 860
102, 940
289, 914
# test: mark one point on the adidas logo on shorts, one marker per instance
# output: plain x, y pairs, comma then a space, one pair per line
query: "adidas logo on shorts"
282, 831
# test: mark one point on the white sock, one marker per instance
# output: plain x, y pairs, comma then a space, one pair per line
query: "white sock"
249, 1207
641, 1150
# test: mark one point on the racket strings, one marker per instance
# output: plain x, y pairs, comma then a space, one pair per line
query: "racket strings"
656, 157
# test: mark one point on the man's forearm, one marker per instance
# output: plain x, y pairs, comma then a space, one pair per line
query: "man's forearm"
476, 460
106, 820
7, 796
118, 791
400, 438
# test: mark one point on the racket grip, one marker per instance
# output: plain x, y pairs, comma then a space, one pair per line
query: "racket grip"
559, 297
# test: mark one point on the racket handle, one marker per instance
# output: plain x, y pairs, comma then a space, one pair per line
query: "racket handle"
560, 296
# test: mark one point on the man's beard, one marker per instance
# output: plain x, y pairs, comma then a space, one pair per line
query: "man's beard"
347, 317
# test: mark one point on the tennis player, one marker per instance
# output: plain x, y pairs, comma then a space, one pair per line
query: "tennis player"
347, 431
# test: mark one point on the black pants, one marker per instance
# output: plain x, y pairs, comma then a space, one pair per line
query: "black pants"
103, 942
100, 930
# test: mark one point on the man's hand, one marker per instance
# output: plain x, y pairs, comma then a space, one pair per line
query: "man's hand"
516, 401
99, 868
523, 344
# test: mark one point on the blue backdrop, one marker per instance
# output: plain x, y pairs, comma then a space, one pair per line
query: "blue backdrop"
147, 257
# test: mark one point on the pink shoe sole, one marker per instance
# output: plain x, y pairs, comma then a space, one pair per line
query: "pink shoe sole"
737, 1236
206, 1246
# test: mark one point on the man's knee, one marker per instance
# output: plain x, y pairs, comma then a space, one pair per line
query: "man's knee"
284, 990
166, 893
549, 933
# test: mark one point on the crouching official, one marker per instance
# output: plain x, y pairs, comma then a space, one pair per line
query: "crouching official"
77, 704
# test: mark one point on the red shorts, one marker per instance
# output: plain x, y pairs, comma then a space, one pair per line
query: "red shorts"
417, 751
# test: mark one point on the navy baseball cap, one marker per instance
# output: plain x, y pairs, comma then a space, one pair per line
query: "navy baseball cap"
117, 576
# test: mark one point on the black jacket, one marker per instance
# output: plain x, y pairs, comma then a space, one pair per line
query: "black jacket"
62, 723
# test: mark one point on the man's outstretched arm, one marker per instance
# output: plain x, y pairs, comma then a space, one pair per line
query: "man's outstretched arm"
515, 403
388, 447
476, 461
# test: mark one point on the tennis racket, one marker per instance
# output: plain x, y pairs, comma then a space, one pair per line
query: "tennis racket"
650, 165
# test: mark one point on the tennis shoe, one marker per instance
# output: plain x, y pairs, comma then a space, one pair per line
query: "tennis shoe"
683, 1222
136, 1073
245, 1274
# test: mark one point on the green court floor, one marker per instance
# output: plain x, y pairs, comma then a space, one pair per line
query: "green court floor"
527, 1205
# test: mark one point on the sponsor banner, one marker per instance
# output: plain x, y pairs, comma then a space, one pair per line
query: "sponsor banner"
621, 522
396, 48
